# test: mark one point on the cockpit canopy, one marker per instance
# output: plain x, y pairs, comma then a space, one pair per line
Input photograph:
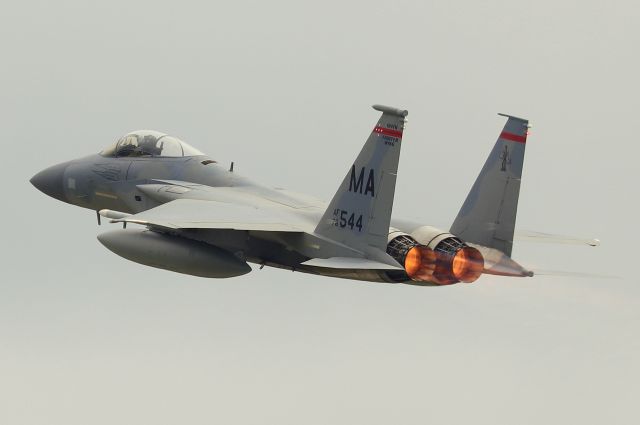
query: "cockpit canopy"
149, 143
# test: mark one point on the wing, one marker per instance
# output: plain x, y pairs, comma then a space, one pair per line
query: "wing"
202, 214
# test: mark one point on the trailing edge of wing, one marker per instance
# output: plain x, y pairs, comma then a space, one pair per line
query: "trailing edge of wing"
350, 263
198, 214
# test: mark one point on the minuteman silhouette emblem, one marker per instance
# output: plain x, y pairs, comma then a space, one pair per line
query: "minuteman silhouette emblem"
506, 158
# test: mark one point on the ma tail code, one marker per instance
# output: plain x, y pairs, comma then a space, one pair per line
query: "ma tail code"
356, 184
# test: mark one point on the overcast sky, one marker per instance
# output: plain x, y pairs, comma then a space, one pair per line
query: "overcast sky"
284, 89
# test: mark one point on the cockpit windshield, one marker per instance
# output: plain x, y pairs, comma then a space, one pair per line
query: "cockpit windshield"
149, 143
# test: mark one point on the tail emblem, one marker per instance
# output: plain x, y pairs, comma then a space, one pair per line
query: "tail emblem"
506, 158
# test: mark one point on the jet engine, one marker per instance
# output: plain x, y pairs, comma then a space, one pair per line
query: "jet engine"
430, 255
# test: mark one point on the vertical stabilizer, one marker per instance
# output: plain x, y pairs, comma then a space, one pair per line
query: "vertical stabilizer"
360, 212
488, 216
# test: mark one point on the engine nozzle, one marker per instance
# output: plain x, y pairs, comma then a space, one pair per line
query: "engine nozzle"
467, 264
449, 261
420, 263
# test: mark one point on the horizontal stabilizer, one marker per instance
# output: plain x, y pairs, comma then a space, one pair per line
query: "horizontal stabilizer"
350, 263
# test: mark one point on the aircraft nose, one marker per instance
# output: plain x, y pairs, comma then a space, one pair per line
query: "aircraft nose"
49, 181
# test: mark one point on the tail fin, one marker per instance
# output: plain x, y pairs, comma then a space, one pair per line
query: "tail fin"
488, 216
360, 212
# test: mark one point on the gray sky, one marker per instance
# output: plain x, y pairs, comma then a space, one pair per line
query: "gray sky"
284, 88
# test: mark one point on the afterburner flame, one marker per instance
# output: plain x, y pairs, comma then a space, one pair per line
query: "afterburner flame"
420, 263
467, 265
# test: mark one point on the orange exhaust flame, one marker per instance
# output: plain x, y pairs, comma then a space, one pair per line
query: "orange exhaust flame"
467, 265
423, 264
420, 263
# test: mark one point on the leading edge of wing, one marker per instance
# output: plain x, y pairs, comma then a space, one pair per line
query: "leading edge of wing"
199, 214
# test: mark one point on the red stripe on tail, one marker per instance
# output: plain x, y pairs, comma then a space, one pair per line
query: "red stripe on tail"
388, 132
513, 137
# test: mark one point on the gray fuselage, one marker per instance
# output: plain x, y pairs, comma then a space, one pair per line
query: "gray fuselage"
122, 184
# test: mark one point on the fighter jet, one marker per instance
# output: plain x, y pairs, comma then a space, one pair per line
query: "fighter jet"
200, 218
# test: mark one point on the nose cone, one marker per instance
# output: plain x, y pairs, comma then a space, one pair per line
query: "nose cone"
49, 181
